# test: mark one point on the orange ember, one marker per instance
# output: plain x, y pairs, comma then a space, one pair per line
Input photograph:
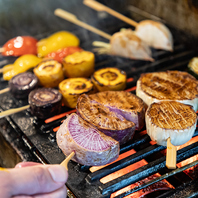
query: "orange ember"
162, 185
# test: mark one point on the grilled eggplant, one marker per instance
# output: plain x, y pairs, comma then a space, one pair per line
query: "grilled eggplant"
170, 119
49, 72
22, 84
170, 85
92, 147
45, 102
109, 79
72, 88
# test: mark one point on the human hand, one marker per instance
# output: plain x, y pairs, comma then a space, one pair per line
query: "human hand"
34, 180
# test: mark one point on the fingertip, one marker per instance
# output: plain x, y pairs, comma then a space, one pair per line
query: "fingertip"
58, 173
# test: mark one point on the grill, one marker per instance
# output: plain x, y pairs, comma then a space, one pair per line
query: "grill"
35, 139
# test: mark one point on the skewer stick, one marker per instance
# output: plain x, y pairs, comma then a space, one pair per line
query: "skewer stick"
72, 18
100, 7
65, 162
171, 155
4, 90
12, 111
1, 49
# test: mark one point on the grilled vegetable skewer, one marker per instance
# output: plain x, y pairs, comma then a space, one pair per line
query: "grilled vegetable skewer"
21, 85
155, 34
170, 119
132, 47
109, 79
43, 103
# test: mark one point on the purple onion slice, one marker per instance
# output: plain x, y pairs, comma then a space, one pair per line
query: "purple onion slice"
109, 122
92, 147
45, 102
22, 84
130, 106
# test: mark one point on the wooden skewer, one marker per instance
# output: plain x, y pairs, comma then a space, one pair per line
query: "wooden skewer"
72, 18
171, 155
100, 7
12, 111
1, 49
4, 90
65, 162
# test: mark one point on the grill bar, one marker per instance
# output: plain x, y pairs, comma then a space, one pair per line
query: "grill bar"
165, 176
145, 171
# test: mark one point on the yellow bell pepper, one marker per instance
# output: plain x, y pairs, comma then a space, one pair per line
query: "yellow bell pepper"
109, 79
79, 64
21, 64
56, 41
49, 72
72, 88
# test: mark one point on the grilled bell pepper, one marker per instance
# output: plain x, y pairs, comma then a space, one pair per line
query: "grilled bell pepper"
193, 67
61, 53
19, 46
56, 41
79, 64
109, 79
49, 72
72, 88
21, 64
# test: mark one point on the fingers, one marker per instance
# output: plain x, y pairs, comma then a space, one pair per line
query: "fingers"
59, 193
37, 179
25, 164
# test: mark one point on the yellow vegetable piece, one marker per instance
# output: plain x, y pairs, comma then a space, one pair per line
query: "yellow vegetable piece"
26, 62
72, 88
49, 72
79, 64
21, 64
56, 41
109, 79
8, 74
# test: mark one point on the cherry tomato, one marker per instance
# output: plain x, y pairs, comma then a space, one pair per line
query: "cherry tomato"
20, 45
61, 53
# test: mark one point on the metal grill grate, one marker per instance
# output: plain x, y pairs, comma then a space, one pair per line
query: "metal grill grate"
38, 136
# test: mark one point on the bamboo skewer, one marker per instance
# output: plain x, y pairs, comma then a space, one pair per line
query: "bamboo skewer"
12, 111
72, 18
171, 155
1, 49
4, 90
65, 162
100, 7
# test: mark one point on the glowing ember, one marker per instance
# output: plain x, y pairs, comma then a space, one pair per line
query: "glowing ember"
162, 185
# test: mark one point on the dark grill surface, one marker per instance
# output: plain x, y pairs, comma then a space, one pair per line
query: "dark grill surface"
35, 140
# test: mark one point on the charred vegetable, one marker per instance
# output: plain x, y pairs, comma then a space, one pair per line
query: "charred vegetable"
170, 119
56, 41
45, 102
193, 67
92, 147
111, 123
72, 88
49, 73
22, 84
79, 64
109, 79
62, 53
